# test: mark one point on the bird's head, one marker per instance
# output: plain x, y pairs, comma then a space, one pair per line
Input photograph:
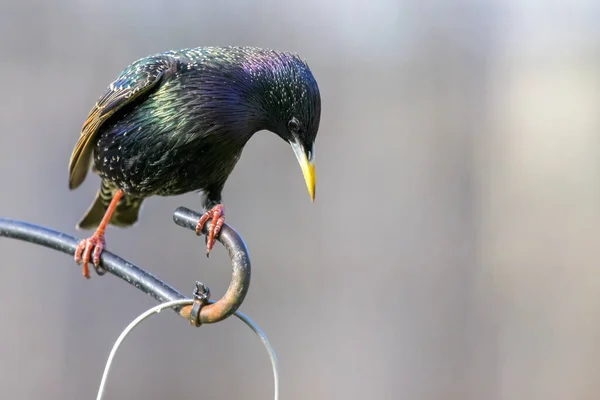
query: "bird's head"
291, 104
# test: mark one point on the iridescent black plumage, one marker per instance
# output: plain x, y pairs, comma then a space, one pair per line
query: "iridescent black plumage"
177, 122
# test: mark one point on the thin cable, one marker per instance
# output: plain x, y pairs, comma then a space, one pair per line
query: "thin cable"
174, 303
130, 327
268, 347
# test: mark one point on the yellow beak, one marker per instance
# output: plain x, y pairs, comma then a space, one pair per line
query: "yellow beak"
308, 167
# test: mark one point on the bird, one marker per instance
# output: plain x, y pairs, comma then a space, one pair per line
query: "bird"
177, 121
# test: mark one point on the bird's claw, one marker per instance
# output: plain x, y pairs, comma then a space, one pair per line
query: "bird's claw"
84, 252
217, 215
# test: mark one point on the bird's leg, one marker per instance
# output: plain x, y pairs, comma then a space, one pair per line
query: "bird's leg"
217, 215
96, 241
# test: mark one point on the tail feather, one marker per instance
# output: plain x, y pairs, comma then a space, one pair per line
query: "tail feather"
126, 212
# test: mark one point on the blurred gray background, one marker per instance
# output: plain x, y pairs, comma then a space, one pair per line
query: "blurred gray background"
452, 249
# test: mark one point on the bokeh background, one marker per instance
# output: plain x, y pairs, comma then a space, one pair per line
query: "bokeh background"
452, 252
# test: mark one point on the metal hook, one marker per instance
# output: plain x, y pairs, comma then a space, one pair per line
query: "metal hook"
207, 313
240, 277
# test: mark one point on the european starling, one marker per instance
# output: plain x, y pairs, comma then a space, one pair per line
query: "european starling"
177, 122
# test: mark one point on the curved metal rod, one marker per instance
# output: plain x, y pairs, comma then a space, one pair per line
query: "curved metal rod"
240, 276
210, 313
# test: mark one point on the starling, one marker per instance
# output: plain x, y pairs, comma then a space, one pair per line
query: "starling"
177, 122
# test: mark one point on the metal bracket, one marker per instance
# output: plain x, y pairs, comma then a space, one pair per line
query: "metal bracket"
201, 296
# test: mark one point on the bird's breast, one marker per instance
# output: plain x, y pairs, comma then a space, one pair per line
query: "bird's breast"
149, 150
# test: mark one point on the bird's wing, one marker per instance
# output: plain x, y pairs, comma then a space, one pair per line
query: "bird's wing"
133, 82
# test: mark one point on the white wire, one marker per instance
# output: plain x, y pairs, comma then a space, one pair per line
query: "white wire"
174, 303
268, 347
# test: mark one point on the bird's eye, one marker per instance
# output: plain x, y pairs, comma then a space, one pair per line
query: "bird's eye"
294, 125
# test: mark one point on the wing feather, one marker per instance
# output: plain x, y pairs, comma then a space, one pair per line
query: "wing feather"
135, 81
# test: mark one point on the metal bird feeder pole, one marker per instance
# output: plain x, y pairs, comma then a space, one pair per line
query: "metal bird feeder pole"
201, 312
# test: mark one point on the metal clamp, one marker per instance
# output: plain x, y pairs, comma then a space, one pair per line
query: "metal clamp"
201, 296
